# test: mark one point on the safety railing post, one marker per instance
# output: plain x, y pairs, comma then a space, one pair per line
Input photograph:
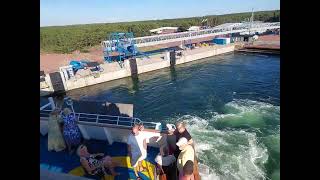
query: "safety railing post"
97, 120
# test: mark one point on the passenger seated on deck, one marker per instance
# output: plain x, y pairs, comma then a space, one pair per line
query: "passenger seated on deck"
166, 164
94, 165
137, 148
180, 132
186, 154
187, 173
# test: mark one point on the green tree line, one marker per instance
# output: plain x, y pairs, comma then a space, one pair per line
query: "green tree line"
66, 39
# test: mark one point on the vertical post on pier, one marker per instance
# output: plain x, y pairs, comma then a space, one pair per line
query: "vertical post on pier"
57, 81
172, 58
133, 66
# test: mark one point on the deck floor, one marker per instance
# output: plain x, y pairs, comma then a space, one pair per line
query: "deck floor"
62, 162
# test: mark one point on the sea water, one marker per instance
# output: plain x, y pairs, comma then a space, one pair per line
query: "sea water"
230, 102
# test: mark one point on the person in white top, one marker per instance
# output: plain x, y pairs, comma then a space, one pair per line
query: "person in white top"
137, 148
166, 163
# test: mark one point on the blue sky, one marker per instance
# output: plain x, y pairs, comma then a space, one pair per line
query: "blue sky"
65, 12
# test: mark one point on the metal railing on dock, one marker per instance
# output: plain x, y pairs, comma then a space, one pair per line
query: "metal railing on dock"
164, 38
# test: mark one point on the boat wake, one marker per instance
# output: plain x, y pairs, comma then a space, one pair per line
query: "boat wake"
231, 152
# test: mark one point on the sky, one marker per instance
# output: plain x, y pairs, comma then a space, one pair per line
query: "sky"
67, 12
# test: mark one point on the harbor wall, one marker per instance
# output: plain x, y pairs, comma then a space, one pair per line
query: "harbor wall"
204, 53
147, 65
113, 71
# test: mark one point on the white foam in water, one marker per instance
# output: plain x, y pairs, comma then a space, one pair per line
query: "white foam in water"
206, 173
203, 147
246, 105
247, 112
194, 122
229, 154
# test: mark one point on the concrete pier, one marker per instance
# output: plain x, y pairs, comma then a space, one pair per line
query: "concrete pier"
204, 52
113, 71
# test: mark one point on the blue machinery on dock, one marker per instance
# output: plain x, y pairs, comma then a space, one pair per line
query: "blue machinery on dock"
121, 46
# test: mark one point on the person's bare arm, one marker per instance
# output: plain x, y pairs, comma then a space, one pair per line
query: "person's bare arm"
158, 170
190, 142
99, 154
85, 164
145, 143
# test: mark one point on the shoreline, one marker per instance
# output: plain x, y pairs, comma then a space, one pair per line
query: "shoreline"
113, 71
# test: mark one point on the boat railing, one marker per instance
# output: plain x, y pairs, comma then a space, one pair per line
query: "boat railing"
102, 119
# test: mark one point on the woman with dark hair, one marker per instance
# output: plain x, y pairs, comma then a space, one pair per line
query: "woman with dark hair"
180, 132
71, 131
166, 164
187, 172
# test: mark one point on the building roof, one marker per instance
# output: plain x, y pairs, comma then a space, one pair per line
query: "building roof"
194, 28
163, 28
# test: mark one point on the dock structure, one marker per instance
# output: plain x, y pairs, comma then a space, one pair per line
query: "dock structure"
162, 59
269, 44
260, 50
215, 31
113, 71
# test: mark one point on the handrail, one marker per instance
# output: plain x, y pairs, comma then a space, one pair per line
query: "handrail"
44, 106
82, 117
98, 118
